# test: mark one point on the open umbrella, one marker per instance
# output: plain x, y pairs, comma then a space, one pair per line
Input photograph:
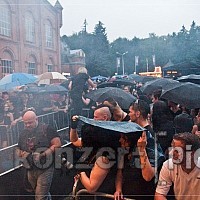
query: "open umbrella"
50, 77
53, 89
193, 78
150, 86
186, 94
11, 81
99, 78
133, 76
107, 84
122, 127
107, 133
120, 82
123, 98
142, 79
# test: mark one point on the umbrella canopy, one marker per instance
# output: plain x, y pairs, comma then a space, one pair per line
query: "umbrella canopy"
107, 133
122, 127
142, 79
16, 79
150, 86
120, 82
107, 84
50, 77
116, 83
123, 98
186, 94
51, 89
33, 89
190, 78
132, 76
99, 78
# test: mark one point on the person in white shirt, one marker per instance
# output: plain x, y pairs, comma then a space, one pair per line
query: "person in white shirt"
182, 170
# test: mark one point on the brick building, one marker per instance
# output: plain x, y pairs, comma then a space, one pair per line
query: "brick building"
71, 60
30, 36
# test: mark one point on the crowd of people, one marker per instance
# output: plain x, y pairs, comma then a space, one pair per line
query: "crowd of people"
168, 126
151, 165
12, 105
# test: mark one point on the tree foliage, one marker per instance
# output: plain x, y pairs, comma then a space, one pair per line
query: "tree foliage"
101, 55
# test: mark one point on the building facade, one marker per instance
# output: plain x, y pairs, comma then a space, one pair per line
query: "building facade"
71, 60
30, 36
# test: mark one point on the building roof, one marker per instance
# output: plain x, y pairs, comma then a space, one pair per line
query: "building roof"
170, 63
183, 66
58, 5
75, 51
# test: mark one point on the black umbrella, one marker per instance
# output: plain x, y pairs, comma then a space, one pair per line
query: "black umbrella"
53, 89
33, 89
107, 84
133, 76
142, 79
150, 86
122, 127
107, 133
120, 82
123, 98
190, 78
186, 94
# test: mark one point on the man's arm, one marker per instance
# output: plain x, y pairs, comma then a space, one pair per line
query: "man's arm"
118, 185
159, 197
164, 182
97, 175
76, 141
148, 172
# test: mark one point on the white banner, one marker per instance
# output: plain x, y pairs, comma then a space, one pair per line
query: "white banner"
118, 62
154, 59
136, 60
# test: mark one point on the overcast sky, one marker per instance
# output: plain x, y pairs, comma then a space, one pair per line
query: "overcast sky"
129, 18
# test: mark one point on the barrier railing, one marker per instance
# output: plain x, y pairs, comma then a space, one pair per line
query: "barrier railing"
95, 195
59, 120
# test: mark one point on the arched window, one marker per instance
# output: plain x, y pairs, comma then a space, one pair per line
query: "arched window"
31, 65
30, 28
5, 19
7, 63
50, 65
49, 34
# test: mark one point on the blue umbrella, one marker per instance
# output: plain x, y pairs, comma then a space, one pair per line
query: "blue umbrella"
16, 79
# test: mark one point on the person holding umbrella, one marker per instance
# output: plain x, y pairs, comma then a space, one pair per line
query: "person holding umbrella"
117, 113
137, 178
96, 138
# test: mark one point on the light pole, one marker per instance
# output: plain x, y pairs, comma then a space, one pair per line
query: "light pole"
122, 55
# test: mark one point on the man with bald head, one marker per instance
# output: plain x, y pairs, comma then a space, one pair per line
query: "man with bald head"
36, 145
101, 113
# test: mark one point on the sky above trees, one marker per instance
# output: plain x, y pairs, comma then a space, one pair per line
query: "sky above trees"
129, 18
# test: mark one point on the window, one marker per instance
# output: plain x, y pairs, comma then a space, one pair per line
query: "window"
49, 34
5, 20
30, 28
6, 67
49, 68
31, 68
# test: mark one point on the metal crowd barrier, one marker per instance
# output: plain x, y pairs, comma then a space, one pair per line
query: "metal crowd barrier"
59, 120
95, 195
